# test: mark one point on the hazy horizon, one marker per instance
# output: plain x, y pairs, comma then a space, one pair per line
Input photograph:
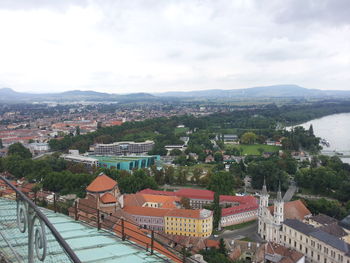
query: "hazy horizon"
186, 45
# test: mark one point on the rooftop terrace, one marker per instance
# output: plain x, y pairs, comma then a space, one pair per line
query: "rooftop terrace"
89, 244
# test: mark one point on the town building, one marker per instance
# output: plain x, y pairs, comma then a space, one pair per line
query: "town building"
272, 217
230, 138
236, 209
164, 213
123, 148
246, 251
127, 163
38, 147
76, 158
275, 253
291, 224
187, 222
316, 244
153, 212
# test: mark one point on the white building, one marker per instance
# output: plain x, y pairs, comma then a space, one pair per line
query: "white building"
124, 148
88, 161
38, 148
283, 224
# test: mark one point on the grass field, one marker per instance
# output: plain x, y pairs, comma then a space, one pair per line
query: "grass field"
233, 227
253, 148
181, 130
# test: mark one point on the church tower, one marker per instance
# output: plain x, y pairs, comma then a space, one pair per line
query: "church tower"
264, 199
278, 215
279, 208
262, 212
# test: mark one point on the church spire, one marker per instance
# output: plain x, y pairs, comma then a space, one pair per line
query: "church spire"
279, 194
264, 189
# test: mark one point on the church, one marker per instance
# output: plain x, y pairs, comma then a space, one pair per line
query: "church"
290, 224
271, 218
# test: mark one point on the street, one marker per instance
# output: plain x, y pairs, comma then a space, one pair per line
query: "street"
250, 232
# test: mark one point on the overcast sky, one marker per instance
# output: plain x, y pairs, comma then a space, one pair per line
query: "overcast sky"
161, 45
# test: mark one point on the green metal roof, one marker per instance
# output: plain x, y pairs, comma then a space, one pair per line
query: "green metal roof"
90, 245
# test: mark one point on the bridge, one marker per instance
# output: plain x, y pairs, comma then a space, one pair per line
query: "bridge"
340, 154
33, 234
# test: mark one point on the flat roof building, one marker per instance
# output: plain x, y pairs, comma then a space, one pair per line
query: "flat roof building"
123, 148
127, 163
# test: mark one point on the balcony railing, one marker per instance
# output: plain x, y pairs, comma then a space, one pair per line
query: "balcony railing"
26, 234
29, 219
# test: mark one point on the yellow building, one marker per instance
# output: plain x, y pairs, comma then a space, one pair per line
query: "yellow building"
186, 222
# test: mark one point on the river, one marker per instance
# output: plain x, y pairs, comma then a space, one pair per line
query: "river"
336, 130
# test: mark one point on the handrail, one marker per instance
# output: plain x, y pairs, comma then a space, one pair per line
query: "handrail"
41, 215
116, 223
113, 220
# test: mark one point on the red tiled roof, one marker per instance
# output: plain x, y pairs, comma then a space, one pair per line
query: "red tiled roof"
146, 211
156, 192
108, 198
196, 193
102, 183
211, 243
140, 199
247, 203
289, 255
238, 199
238, 209
293, 210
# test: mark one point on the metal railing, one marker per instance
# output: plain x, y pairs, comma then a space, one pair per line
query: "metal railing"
155, 242
28, 234
150, 240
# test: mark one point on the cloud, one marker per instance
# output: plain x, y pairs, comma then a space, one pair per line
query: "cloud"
333, 12
149, 45
40, 4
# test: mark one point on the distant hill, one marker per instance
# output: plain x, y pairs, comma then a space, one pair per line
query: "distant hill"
9, 95
276, 91
256, 92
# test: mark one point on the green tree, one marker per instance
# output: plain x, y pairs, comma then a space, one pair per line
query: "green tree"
218, 157
216, 210
311, 130
222, 247
104, 139
18, 149
169, 176
2, 165
197, 172
77, 130
222, 183
175, 152
248, 138
261, 150
182, 176
1, 145
328, 207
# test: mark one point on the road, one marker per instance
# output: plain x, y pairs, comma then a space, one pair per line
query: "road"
250, 231
290, 192
42, 155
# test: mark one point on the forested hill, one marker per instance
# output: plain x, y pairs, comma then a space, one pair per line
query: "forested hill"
275, 91
261, 119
